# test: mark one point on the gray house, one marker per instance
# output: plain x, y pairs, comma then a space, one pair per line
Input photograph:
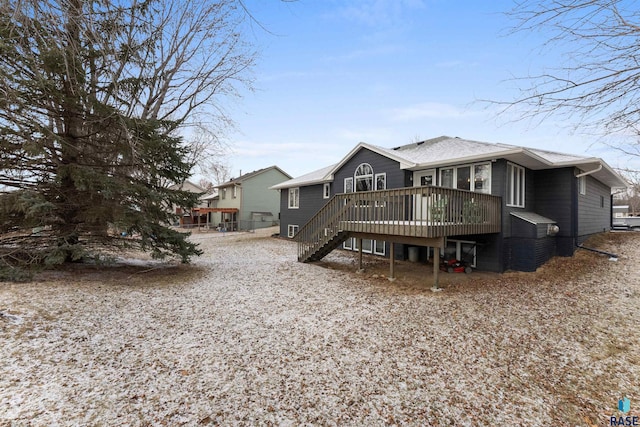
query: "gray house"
246, 203
496, 206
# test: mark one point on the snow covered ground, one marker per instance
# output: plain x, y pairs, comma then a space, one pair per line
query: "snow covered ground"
256, 338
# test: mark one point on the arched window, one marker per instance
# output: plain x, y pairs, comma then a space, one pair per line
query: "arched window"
364, 177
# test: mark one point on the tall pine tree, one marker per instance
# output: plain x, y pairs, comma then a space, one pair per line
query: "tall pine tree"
93, 96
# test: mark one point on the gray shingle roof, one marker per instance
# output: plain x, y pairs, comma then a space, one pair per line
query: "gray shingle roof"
315, 177
449, 151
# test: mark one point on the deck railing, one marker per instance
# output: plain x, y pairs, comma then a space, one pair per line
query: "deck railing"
427, 212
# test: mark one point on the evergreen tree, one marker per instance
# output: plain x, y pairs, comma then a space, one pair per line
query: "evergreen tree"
93, 95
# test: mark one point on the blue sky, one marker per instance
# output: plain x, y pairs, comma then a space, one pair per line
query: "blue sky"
333, 73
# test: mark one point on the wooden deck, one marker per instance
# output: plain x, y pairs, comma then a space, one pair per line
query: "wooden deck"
413, 214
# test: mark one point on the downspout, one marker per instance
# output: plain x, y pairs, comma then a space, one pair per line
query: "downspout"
574, 214
611, 212
598, 169
575, 203
612, 256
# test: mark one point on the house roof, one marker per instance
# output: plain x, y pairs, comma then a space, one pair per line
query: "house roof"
448, 151
247, 176
214, 195
188, 186
316, 177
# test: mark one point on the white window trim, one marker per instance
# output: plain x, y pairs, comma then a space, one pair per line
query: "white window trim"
376, 252
514, 193
296, 204
348, 244
326, 190
582, 185
375, 180
472, 175
351, 244
350, 179
292, 229
363, 177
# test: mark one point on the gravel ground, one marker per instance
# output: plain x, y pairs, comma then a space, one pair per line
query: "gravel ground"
252, 337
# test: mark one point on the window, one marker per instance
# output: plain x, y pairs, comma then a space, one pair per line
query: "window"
294, 198
234, 192
326, 190
582, 185
292, 230
482, 178
446, 177
461, 250
426, 180
348, 185
224, 193
364, 177
515, 185
463, 178
376, 247
476, 177
348, 244
381, 181
602, 201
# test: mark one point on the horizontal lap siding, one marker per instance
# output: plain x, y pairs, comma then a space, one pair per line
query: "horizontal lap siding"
592, 216
257, 197
396, 177
529, 254
311, 201
555, 192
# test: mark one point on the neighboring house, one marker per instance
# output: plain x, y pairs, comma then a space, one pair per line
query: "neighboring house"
620, 211
497, 206
246, 202
214, 216
189, 217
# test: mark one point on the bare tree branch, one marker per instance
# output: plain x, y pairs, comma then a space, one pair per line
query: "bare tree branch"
597, 88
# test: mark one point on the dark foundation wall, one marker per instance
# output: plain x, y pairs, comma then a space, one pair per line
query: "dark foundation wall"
529, 245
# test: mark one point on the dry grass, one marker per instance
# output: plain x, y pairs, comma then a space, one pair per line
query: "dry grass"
248, 336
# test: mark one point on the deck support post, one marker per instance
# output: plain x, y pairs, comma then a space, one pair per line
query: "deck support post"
436, 265
392, 261
360, 269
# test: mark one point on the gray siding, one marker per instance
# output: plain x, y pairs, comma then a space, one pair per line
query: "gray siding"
594, 209
396, 177
552, 193
529, 245
311, 202
555, 199
257, 197
499, 188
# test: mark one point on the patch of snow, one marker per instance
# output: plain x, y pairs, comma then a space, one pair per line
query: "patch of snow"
264, 340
